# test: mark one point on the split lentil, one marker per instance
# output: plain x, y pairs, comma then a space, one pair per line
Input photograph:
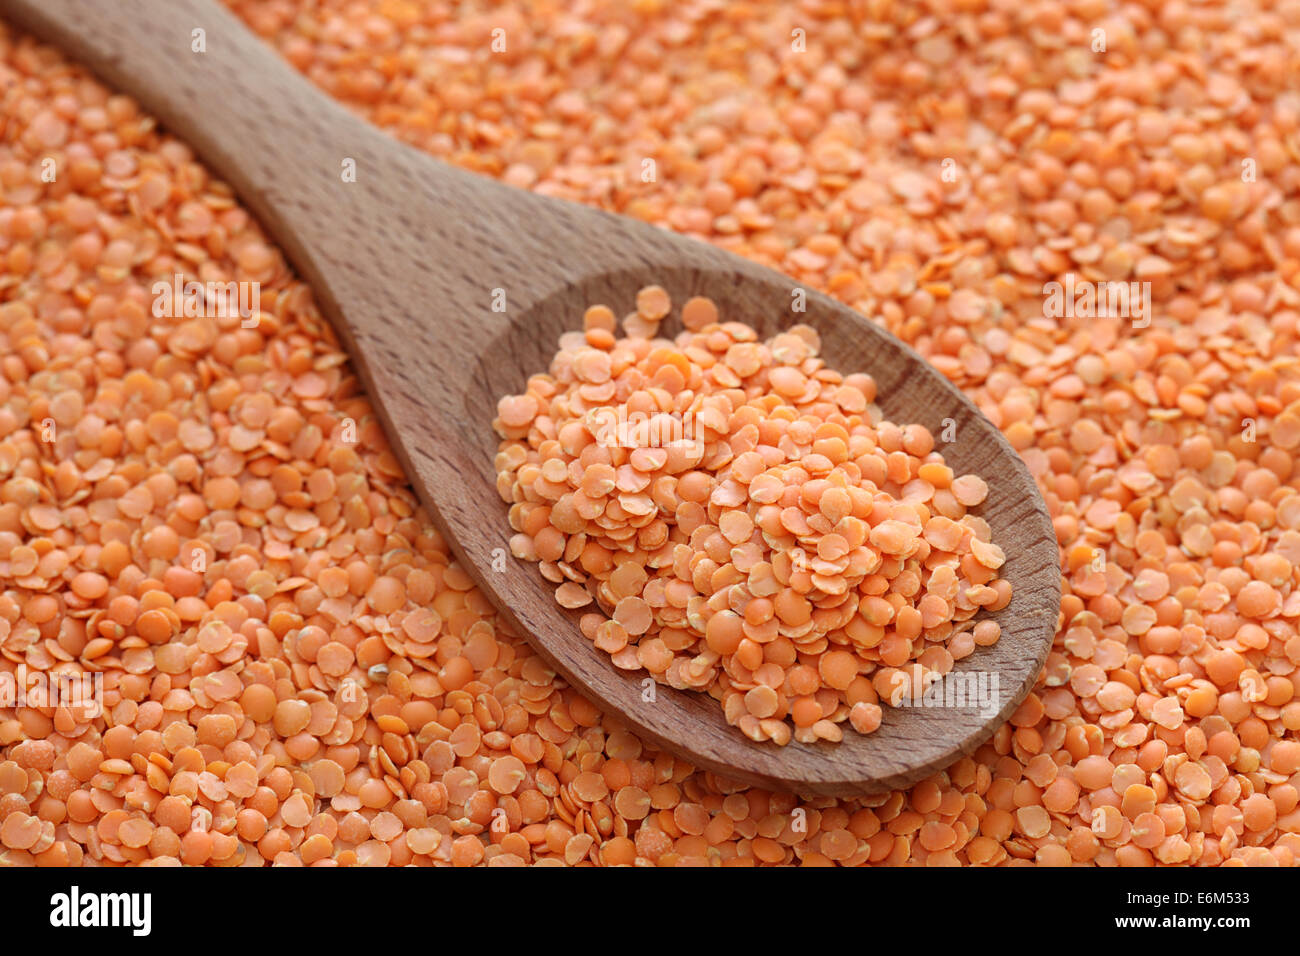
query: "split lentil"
748, 522
1165, 453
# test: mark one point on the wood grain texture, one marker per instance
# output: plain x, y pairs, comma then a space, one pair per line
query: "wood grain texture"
403, 262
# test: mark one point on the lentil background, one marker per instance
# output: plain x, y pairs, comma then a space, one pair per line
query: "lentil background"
1163, 729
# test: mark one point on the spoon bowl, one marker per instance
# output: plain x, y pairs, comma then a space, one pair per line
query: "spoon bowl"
912, 742
448, 290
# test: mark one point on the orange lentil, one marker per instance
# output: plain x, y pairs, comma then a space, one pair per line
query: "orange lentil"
202, 472
838, 539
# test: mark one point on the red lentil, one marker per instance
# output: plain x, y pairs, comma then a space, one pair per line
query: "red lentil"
1165, 452
752, 526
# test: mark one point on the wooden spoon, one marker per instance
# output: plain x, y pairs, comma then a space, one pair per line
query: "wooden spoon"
404, 262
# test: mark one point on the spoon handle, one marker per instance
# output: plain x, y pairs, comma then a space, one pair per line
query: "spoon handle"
373, 225
252, 118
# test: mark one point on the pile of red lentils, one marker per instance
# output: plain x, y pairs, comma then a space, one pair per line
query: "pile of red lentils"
296, 671
747, 520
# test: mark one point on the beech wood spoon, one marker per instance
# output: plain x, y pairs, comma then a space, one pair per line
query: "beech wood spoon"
404, 261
